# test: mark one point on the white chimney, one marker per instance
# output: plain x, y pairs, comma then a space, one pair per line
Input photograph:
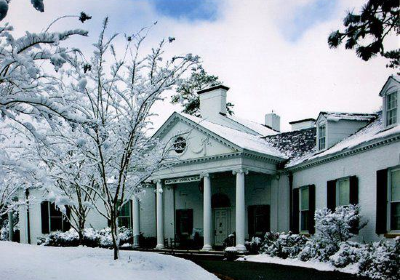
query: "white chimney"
302, 124
213, 102
273, 121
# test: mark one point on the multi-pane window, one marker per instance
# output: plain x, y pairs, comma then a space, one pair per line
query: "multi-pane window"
321, 136
304, 208
343, 192
53, 219
391, 108
124, 216
394, 198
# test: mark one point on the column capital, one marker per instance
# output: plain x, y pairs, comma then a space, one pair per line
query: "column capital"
240, 170
202, 175
158, 181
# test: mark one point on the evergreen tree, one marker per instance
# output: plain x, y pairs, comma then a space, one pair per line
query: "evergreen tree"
366, 31
186, 92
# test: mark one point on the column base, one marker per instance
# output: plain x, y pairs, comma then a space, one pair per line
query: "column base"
241, 248
135, 241
160, 246
206, 247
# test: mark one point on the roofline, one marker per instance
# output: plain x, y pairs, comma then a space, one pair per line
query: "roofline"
387, 81
303, 120
213, 88
343, 153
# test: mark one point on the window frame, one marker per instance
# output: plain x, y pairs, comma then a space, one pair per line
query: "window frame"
324, 138
301, 230
389, 200
63, 221
392, 109
129, 205
337, 191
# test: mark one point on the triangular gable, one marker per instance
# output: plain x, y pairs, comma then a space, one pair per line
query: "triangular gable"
391, 83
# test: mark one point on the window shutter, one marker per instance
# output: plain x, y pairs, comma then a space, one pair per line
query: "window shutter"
178, 222
295, 212
331, 195
131, 214
381, 201
190, 220
66, 223
250, 221
45, 216
311, 220
353, 190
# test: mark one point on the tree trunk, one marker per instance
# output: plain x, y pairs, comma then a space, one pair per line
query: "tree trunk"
114, 235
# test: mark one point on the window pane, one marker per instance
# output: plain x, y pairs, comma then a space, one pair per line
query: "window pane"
344, 192
395, 216
54, 211
304, 220
55, 223
395, 182
124, 222
125, 210
304, 198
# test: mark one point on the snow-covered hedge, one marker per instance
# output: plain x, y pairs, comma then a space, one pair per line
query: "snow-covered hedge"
91, 237
330, 244
283, 245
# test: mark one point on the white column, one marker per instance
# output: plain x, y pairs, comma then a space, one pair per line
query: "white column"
240, 211
160, 220
207, 213
136, 221
10, 226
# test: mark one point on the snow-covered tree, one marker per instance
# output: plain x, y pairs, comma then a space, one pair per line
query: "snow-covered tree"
116, 95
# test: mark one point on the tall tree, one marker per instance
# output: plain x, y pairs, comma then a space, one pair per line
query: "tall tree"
366, 31
116, 92
186, 92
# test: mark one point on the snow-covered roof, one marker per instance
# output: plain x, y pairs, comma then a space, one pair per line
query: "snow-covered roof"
337, 116
257, 127
241, 139
372, 132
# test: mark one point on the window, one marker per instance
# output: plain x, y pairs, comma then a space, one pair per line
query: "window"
124, 215
258, 219
52, 218
343, 192
394, 198
304, 208
321, 136
391, 108
179, 145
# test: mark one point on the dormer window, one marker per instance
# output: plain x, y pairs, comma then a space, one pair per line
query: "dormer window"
321, 136
391, 108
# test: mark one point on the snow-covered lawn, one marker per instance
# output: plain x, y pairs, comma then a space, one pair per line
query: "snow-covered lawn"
29, 262
263, 258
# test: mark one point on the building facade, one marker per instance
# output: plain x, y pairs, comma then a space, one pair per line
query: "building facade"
235, 176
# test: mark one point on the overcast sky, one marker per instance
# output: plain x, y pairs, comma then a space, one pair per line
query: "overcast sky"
273, 54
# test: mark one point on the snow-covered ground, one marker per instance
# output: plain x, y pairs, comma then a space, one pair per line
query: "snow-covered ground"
263, 258
30, 262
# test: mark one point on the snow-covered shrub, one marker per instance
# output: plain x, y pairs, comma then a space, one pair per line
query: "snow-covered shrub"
230, 253
254, 245
91, 238
283, 245
349, 253
4, 231
230, 240
332, 228
381, 260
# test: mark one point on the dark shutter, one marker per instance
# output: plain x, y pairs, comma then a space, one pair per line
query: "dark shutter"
250, 211
331, 195
131, 214
45, 216
311, 221
66, 223
381, 201
295, 212
353, 190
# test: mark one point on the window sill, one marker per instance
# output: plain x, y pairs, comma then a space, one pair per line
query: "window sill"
391, 234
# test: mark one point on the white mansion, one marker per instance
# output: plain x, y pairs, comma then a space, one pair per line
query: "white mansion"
234, 175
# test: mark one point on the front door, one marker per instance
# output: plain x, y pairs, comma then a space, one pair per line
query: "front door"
221, 226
